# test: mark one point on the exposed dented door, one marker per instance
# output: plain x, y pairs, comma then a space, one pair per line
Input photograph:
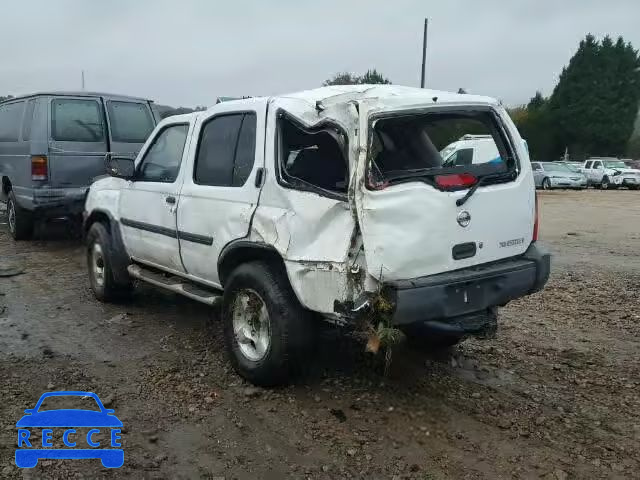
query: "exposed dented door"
411, 229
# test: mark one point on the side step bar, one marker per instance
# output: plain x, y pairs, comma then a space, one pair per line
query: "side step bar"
175, 284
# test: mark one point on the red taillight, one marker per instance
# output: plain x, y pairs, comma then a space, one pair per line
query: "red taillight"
455, 181
39, 168
535, 222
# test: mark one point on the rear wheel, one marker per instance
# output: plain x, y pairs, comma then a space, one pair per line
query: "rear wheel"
267, 332
546, 184
20, 221
99, 262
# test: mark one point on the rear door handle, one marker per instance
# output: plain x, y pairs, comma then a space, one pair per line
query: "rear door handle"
170, 200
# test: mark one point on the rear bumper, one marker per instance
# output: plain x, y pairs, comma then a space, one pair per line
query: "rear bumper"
51, 202
450, 298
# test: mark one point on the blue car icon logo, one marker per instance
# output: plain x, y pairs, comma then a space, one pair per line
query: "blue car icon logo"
101, 422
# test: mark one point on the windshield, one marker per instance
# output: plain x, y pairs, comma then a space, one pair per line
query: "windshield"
419, 145
556, 167
66, 402
573, 168
615, 164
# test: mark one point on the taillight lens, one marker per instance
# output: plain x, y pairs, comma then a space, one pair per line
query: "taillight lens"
455, 181
535, 222
39, 169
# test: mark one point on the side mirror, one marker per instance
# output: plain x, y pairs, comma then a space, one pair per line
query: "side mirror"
120, 167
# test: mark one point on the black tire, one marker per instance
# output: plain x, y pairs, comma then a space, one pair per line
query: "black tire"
546, 184
634, 187
291, 328
19, 220
104, 286
605, 184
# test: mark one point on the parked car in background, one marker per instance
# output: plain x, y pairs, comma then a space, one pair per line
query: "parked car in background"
288, 212
548, 175
52, 146
632, 163
608, 173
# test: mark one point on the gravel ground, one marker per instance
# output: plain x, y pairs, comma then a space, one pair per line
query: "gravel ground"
556, 395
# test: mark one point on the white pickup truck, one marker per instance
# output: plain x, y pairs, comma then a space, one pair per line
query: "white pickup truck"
609, 173
331, 204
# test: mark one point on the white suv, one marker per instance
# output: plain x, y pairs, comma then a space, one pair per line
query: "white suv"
609, 173
326, 204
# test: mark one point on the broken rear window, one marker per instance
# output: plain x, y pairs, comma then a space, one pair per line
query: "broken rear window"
410, 146
313, 159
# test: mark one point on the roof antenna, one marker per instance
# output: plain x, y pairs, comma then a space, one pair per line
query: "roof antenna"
83, 80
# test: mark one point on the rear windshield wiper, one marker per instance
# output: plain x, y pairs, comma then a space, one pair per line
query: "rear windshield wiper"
483, 181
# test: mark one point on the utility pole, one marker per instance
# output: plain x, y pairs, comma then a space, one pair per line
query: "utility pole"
83, 80
424, 54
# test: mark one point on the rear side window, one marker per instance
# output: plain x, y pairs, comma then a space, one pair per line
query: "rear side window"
587, 165
76, 120
226, 150
28, 119
130, 122
10, 121
161, 162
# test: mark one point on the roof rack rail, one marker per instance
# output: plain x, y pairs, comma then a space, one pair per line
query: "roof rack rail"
231, 99
469, 136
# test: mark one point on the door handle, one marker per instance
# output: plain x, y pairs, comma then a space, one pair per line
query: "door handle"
171, 200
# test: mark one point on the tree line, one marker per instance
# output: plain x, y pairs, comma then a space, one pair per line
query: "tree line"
593, 109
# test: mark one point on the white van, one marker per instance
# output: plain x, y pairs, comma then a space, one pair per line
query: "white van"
330, 204
471, 149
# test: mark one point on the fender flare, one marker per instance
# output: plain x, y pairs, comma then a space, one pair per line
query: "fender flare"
121, 258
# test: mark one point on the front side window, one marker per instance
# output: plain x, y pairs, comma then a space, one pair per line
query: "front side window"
161, 162
76, 120
226, 151
130, 122
597, 164
10, 118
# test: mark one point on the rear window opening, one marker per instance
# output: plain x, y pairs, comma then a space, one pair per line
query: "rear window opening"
422, 146
313, 159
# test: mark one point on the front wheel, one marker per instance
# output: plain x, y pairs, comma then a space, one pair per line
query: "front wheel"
20, 221
606, 184
267, 332
99, 262
546, 184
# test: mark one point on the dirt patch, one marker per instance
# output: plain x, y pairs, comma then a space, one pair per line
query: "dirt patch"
555, 395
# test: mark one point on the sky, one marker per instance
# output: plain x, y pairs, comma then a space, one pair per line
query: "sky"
189, 52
